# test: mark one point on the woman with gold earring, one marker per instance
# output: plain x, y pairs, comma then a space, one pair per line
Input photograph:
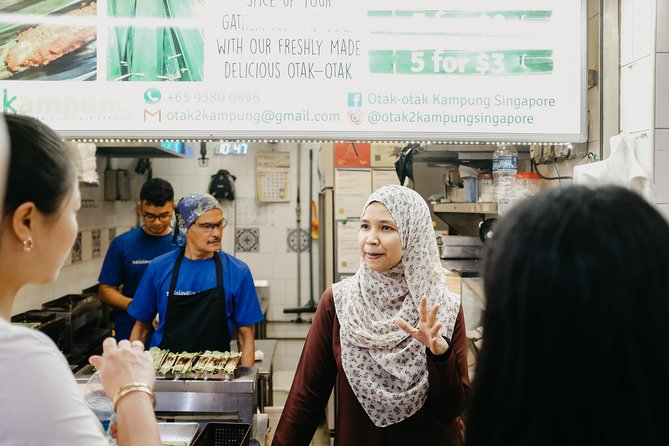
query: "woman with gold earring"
41, 401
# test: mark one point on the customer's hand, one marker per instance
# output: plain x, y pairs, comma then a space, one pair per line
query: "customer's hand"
427, 332
123, 364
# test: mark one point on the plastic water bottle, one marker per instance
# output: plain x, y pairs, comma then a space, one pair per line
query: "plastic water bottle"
504, 169
99, 403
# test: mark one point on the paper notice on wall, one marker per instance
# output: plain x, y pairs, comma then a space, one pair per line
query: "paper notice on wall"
352, 188
272, 172
348, 252
382, 178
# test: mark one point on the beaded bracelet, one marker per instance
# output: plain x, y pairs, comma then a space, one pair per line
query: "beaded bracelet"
133, 387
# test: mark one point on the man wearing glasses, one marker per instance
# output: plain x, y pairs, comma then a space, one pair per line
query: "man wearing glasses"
130, 253
200, 293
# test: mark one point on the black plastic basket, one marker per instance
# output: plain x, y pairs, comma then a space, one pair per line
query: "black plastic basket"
224, 434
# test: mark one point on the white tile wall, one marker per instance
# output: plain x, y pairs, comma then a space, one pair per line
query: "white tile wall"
159, 167
182, 168
198, 182
287, 354
662, 33
662, 90
86, 246
72, 280
263, 264
636, 26
661, 166
285, 264
636, 96
626, 29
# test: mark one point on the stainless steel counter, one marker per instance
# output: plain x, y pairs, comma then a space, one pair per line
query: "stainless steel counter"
237, 396
265, 387
192, 399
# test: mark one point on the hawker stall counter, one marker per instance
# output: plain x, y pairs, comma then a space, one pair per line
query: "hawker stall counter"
205, 399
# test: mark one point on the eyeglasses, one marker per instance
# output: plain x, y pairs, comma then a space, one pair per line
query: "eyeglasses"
162, 217
210, 226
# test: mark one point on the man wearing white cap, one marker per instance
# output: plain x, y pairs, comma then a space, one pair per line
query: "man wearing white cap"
200, 293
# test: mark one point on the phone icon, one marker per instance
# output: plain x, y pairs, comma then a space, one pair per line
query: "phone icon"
152, 96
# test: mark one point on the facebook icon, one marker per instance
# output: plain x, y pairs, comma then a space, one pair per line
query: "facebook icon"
355, 99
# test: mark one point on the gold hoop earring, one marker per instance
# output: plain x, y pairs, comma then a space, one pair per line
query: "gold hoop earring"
27, 244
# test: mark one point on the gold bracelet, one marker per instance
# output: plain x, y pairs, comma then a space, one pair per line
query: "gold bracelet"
133, 387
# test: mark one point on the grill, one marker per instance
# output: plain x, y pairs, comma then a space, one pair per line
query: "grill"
82, 335
49, 323
203, 399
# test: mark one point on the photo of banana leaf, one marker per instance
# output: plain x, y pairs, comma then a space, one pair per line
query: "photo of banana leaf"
154, 53
59, 44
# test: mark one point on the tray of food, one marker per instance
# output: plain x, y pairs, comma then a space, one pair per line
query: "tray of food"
195, 365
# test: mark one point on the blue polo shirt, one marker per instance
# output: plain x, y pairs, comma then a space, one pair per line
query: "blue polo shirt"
125, 262
241, 301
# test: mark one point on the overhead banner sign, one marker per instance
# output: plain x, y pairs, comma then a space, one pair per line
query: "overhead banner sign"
434, 70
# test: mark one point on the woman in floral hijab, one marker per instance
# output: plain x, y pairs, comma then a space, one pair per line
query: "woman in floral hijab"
391, 337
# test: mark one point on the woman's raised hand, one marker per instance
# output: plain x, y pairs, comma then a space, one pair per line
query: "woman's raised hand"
427, 332
123, 363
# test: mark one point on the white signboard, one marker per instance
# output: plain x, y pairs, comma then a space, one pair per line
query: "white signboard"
433, 70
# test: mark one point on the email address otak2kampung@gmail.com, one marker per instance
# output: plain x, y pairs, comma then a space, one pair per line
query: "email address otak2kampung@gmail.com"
264, 117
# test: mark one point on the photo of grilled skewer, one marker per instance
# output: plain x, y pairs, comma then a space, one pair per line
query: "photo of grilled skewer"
49, 40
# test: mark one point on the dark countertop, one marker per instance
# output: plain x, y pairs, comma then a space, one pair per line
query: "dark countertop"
463, 267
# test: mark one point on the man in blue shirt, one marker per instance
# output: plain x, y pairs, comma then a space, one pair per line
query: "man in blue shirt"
200, 293
130, 253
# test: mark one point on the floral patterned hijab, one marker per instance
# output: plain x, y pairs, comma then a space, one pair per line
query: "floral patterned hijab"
188, 210
385, 366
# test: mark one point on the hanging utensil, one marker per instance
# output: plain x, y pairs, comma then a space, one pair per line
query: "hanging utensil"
314, 221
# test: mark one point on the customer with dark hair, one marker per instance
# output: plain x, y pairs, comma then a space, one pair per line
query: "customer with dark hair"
576, 325
391, 337
130, 253
41, 403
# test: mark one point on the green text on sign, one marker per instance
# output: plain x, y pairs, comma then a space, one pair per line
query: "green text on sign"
495, 63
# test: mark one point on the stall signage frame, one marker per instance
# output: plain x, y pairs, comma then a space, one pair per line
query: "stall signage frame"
428, 70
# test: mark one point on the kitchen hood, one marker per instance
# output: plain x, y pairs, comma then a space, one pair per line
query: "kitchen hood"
145, 149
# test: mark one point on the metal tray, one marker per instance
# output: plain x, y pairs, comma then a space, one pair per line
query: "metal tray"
224, 434
177, 432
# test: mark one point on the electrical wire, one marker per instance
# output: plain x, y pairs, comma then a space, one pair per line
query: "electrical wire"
559, 178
